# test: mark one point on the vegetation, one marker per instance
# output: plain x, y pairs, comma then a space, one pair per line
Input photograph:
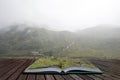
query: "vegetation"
61, 62
22, 40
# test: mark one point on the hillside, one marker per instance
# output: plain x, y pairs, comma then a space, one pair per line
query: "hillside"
24, 38
102, 41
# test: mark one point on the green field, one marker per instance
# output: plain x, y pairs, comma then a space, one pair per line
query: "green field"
61, 62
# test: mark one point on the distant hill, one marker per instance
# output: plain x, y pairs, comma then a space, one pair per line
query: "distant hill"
103, 40
99, 41
24, 38
108, 36
101, 31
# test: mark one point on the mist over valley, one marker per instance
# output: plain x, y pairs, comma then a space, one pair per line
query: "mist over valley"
23, 39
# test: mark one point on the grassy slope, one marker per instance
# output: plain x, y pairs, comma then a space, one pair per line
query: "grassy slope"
61, 62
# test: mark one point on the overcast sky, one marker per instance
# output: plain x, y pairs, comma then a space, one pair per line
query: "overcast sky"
60, 14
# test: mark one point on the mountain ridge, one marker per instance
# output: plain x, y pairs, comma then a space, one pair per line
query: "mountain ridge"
104, 41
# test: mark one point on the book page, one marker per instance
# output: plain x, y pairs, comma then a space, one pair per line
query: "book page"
82, 65
45, 70
60, 64
82, 69
77, 62
44, 63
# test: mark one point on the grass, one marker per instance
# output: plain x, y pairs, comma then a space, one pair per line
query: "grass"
61, 62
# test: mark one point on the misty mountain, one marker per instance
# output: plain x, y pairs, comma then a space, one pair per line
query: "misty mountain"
22, 37
96, 41
101, 31
102, 36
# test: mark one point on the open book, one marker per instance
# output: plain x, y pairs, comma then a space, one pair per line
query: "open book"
62, 66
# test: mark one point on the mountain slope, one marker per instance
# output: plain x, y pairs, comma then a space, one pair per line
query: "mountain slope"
99, 41
16, 38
